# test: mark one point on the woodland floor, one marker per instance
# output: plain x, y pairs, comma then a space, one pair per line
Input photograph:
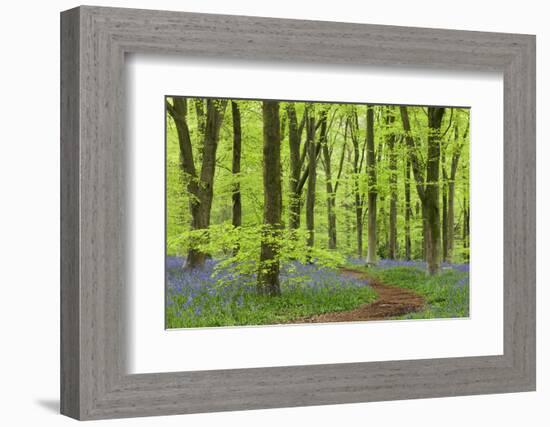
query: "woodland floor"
392, 302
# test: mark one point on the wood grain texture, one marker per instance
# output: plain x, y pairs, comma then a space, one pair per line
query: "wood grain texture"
70, 291
94, 382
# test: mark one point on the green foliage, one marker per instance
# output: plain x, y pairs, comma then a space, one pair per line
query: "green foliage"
238, 248
339, 142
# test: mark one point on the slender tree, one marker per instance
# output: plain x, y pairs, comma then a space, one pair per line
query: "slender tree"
268, 274
465, 218
445, 186
372, 187
300, 162
295, 131
349, 191
444, 208
455, 160
358, 153
312, 179
236, 165
391, 141
199, 185
408, 209
332, 188
466, 228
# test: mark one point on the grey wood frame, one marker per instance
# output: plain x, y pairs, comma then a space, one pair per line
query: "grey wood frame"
94, 382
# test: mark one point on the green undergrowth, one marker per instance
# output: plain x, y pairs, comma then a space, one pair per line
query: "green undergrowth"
208, 304
447, 293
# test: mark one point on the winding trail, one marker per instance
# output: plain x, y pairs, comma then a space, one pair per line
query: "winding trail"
392, 301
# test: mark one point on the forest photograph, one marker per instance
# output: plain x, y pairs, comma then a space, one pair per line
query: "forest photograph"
293, 212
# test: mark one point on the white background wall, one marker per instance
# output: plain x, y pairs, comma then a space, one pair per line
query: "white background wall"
29, 214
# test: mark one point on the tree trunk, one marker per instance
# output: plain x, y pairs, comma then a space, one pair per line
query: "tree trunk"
428, 191
331, 191
418, 175
201, 125
451, 210
359, 224
425, 232
372, 190
312, 179
431, 196
236, 166
451, 196
294, 140
331, 212
200, 187
466, 225
348, 214
444, 219
407, 210
391, 138
358, 198
348, 222
268, 274
382, 228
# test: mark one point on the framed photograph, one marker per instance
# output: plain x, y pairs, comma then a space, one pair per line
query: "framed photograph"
261, 213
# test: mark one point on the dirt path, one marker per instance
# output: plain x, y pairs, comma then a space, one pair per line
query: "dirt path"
391, 302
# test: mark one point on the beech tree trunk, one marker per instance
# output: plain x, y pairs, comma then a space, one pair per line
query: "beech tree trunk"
358, 198
444, 212
425, 232
312, 179
428, 191
372, 191
391, 138
200, 187
451, 209
331, 193
268, 274
408, 209
346, 203
236, 166
201, 124
466, 225
451, 197
433, 256
294, 141
359, 224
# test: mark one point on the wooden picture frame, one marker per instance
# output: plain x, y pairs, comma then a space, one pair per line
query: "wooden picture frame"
94, 382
